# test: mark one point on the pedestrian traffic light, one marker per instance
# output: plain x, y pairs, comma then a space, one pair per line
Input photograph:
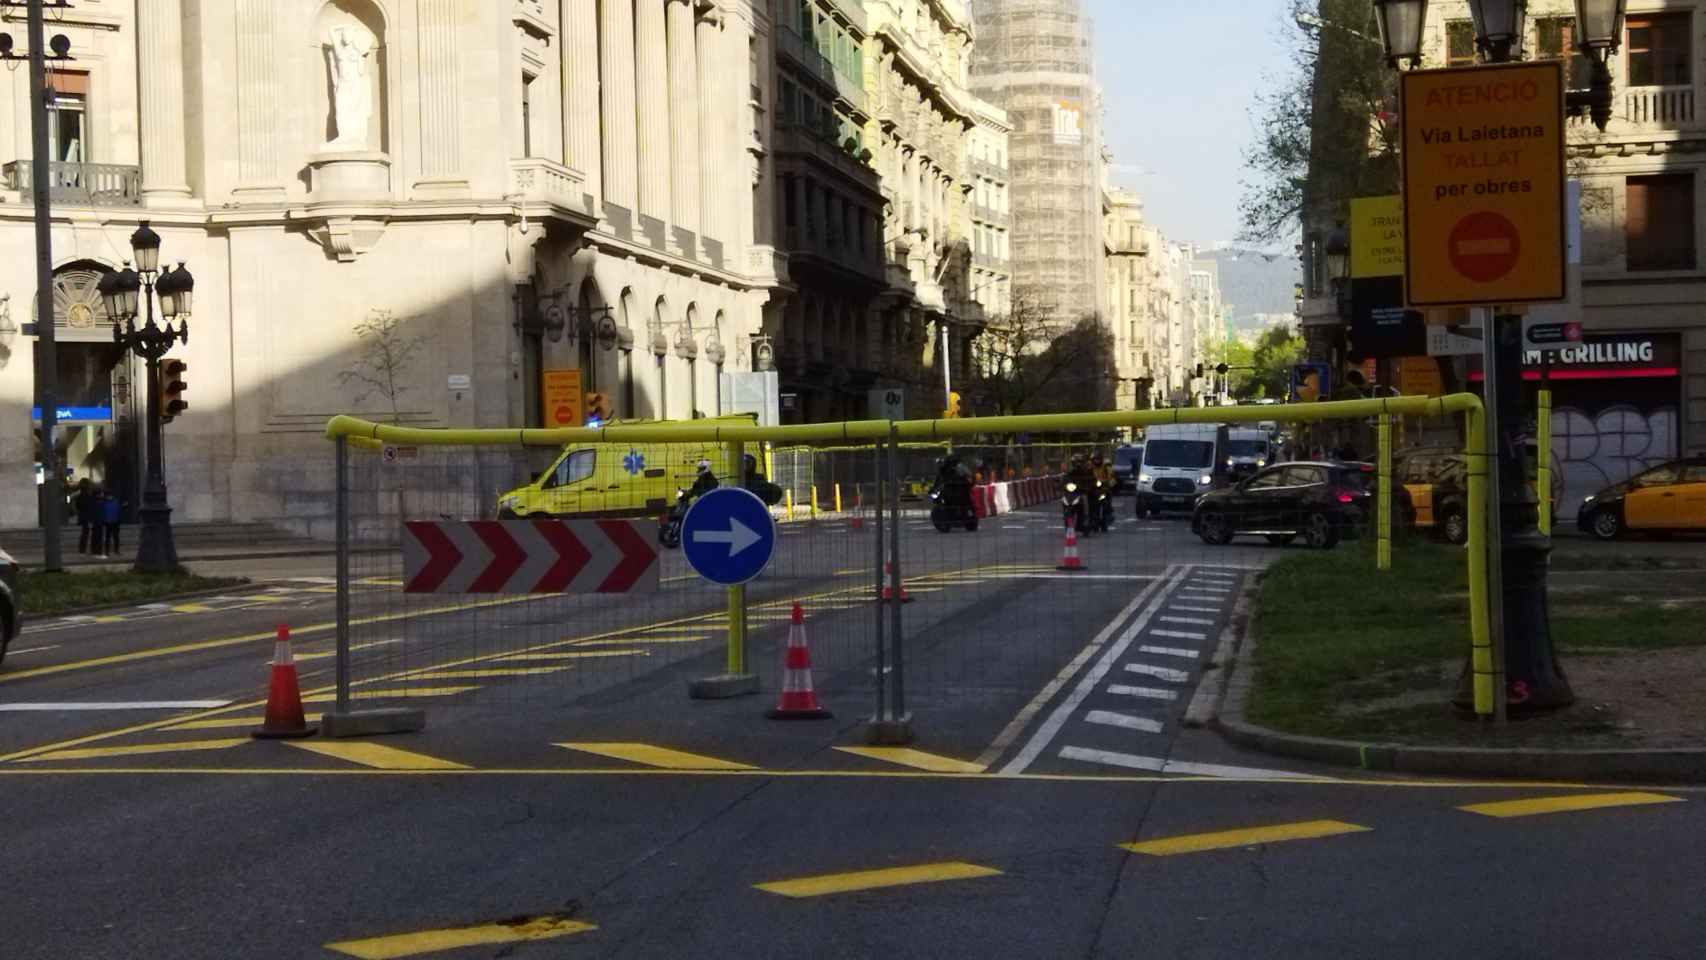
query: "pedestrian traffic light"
953, 411
171, 400
597, 409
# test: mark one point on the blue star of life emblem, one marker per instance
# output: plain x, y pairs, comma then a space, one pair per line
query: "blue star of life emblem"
633, 462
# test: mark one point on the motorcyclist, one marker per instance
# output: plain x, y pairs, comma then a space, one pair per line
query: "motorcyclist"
704, 483
1080, 476
756, 483
1104, 474
953, 478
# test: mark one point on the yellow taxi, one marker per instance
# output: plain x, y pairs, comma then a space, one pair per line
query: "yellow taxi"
616, 479
1668, 498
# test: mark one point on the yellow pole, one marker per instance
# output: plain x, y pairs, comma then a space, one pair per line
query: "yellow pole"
1383, 541
814, 500
838, 498
1481, 646
788, 503
1543, 458
736, 660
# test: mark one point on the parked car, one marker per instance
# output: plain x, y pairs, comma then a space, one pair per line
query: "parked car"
1322, 502
1436, 479
1127, 457
11, 606
1668, 498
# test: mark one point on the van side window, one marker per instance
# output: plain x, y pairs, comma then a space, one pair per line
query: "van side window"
575, 467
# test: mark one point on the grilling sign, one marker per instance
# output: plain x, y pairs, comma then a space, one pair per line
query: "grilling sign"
1483, 152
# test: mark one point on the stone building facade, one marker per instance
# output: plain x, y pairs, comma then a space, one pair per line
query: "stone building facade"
492, 174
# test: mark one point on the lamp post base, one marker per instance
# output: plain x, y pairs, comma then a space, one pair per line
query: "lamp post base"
156, 552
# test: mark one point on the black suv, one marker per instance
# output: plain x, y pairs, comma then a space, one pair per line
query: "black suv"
1319, 501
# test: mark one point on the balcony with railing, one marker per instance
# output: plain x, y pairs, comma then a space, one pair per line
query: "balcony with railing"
801, 51
1662, 108
536, 180
79, 184
988, 170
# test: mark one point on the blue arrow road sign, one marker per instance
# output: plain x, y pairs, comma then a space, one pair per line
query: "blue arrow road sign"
728, 536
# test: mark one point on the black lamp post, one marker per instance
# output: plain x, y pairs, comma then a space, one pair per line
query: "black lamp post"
120, 291
1533, 678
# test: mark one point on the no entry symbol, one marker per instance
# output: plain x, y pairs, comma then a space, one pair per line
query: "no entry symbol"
1484, 246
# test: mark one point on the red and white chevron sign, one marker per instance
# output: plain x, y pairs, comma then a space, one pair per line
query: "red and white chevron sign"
529, 556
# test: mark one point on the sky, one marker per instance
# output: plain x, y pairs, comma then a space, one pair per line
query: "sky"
1177, 77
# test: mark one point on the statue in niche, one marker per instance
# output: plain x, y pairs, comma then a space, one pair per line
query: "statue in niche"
347, 54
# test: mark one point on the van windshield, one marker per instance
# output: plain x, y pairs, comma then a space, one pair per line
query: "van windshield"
1181, 454
1247, 448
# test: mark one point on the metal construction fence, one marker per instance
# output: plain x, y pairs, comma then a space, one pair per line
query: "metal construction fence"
466, 577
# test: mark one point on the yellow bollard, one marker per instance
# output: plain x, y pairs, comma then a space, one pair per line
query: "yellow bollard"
1483, 662
735, 660
1383, 510
814, 501
838, 498
1543, 460
788, 503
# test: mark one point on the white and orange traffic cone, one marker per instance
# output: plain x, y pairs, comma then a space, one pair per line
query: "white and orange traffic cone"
798, 700
888, 585
1069, 555
858, 521
284, 697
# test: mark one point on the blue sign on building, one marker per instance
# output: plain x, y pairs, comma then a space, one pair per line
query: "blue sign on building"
728, 536
98, 414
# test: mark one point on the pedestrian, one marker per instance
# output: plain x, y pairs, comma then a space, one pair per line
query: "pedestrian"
112, 510
83, 507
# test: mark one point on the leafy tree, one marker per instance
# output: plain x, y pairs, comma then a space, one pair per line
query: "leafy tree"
1275, 353
383, 365
1328, 130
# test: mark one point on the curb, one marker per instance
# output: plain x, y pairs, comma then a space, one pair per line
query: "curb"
127, 604
1675, 765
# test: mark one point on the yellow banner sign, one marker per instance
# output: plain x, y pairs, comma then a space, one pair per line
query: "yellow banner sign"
1483, 152
560, 397
1377, 237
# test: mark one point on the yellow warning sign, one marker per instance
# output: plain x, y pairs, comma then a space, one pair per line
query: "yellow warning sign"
1483, 152
1377, 237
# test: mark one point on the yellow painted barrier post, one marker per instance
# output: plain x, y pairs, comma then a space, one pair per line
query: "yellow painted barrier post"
814, 500
838, 498
788, 503
736, 660
1383, 511
1543, 459
1481, 646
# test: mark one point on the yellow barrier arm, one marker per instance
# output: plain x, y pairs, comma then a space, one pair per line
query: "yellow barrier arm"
1543, 460
1383, 511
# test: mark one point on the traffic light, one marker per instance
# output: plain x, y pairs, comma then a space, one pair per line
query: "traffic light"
171, 400
598, 409
953, 411
1221, 369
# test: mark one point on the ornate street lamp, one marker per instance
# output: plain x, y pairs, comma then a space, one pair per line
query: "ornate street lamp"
1599, 33
1338, 253
121, 292
1499, 27
1400, 23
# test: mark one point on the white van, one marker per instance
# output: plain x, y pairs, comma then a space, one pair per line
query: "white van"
1181, 461
1248, 449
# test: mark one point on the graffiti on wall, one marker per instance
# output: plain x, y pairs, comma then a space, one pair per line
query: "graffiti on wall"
1593, 451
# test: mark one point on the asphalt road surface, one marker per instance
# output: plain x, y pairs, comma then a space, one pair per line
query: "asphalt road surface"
567, 799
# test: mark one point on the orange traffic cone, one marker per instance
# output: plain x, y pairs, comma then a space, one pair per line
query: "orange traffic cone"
798, 700
1069, 556
858, 521
888, 585
284, 698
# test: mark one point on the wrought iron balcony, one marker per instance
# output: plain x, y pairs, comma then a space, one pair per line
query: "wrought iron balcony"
79, 184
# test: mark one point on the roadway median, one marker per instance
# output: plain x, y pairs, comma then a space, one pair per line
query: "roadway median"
1342, 665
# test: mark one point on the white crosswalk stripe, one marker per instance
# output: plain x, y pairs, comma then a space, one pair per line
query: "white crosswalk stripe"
1108, 718
1188, 621
1191, 609
1160, 673
1178, 634
1146, 693
1169, 652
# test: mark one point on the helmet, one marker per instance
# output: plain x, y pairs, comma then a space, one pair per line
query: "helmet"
1096, 459
704, 465
750, 462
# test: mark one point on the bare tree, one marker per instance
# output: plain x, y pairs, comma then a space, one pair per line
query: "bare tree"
386, 355
1032, 360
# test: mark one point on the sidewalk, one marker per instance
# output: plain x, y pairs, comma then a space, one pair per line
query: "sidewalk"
194, 541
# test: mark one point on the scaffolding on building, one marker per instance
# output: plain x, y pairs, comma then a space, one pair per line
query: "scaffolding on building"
1033, 59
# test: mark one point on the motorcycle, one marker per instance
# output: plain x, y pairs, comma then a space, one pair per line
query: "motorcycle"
951, 506
669, 528
1073, 508
1102, 508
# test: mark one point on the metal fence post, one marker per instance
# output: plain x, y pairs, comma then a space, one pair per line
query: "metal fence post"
880, 472
891, 725
1383, 511
898, 683
1543, 454
344, 720
343, 667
